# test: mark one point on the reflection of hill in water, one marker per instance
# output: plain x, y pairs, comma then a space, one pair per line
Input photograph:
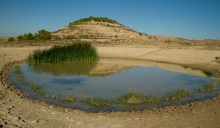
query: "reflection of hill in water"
104, 69
78, 68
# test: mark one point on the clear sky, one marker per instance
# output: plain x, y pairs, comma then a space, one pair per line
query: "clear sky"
191, 19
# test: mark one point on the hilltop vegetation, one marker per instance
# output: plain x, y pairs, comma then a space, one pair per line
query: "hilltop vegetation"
98, 19
41, 35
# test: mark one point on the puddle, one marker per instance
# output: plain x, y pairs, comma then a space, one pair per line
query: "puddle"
53, 82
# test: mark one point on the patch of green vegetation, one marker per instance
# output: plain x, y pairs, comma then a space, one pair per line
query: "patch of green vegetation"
68, 53
55, 96
41, 35
181, 38
135, 98
38, 89
176, 95
152, 98
98, 19
208, 73
70, 37
207, 88
70, 98
96, 102
11, 39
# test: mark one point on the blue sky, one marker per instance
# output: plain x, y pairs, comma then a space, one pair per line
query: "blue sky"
191, 19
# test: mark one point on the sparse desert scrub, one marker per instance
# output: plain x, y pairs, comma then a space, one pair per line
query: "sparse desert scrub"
175, 95
65, 53
93, 101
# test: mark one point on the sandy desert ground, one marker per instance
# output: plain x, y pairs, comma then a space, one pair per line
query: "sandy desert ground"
18, 111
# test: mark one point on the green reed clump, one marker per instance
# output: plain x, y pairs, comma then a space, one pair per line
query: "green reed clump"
207, 88
176, 95
70, 98
134, 98
67, 53
96, 102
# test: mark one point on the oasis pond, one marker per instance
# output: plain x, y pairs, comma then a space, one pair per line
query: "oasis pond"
88, 79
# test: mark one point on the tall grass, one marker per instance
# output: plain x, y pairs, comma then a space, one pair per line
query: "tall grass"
67, 53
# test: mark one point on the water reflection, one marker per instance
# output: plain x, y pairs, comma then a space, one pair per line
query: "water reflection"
73, 81
67, 68
191, 80
85, 79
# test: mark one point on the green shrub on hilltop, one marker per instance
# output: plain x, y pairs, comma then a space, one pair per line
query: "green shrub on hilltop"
98, 19
42, 35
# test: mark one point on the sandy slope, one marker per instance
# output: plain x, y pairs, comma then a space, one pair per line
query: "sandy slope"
17, 111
